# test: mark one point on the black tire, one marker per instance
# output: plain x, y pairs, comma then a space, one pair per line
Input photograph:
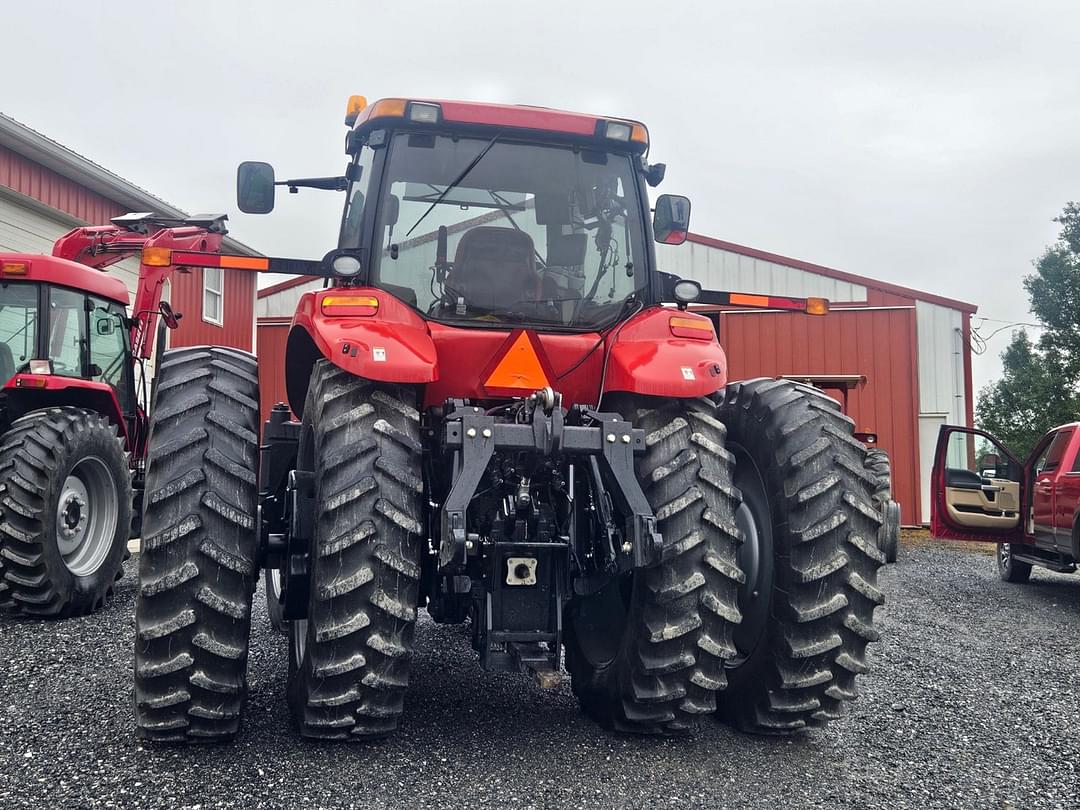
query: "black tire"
810, 515
197, 566
275, 611
57, 566
1009, 568
646, 654
889, 533
349, 660
878, 465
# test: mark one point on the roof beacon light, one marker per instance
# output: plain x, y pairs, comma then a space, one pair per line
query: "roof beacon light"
353, 109
420, 113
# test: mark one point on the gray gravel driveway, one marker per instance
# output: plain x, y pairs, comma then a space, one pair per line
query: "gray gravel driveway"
974, 701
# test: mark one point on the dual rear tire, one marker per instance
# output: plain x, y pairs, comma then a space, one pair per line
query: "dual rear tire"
769, 593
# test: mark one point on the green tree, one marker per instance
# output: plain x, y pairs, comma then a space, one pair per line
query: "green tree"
1039, 384
1028, 399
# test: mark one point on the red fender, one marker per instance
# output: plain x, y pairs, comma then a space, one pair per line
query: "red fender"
392, 344
32, 391
652, 355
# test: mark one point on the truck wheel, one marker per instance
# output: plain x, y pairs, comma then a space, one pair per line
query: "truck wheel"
810, 556
1011, 569
274, 609
65, 512
349, 659
646, 653
197, 566
878, 465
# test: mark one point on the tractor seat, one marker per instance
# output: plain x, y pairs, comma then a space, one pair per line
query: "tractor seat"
7, 363
494, 268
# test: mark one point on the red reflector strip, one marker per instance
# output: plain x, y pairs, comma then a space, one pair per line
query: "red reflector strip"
26, 381
195, 259
744, 300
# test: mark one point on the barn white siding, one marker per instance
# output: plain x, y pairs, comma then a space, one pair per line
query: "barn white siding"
942, 399
25, 227
717, 269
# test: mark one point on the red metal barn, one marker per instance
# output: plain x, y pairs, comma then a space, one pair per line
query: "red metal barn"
46, 190
912, 347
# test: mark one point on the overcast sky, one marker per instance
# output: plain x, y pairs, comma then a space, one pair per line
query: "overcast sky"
925, 143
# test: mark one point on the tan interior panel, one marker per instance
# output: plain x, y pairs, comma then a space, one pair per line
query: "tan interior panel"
1003, 512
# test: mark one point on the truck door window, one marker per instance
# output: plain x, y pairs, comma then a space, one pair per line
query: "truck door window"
1050, 459
67, 332
18, 327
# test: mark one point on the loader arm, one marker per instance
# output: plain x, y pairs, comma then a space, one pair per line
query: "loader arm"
153, 238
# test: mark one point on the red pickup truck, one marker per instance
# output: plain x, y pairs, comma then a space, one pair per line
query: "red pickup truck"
1031, 508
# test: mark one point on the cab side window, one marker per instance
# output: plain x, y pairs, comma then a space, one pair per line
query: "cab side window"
1050, 459
109, 355
67, 332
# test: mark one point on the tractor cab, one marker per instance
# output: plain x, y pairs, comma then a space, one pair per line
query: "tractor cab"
63, 333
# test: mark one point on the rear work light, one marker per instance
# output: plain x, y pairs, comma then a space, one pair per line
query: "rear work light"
349, 306
14, 268
626, 131
422, 113
694, 328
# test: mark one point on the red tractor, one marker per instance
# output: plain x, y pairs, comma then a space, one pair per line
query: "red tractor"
499, 420
72, 430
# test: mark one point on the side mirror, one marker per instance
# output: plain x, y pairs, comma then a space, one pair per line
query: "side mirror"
171, 319
671, 219
255, 187
104, 326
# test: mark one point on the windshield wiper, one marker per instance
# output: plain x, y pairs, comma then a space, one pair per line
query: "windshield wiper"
454, 184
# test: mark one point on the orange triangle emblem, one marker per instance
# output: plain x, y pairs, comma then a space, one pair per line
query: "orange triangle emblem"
520, 367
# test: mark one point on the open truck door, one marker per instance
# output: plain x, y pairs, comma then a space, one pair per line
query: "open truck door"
978, 489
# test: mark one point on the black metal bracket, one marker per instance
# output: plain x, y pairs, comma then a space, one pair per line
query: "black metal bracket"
474, 436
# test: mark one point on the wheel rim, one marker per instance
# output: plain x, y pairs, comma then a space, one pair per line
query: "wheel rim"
275, 583
86, 515
753, 518
1004, 556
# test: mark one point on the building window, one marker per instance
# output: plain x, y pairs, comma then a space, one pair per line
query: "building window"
212, 298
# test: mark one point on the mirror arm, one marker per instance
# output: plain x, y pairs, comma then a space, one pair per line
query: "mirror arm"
324, 183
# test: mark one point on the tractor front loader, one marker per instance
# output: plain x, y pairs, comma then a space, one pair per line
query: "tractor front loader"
493, 414
73, 422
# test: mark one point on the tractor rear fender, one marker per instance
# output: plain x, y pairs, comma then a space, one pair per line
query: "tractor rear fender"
31, 392
363, 330
668, 353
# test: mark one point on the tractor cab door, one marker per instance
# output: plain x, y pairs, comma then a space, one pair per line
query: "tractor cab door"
978, 489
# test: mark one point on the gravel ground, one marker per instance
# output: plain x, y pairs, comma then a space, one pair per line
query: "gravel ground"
973, 702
